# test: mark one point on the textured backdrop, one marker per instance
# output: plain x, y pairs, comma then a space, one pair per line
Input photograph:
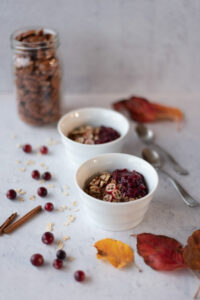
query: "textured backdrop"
114, 46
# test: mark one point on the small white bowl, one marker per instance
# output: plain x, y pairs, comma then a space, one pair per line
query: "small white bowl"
77, 152
114, 216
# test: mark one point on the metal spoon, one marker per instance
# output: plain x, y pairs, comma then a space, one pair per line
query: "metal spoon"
147, 136
154, 158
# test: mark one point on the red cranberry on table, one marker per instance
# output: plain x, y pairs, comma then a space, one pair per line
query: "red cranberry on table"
11, 194
61, 254
46, 176
79, 275
35, 174
43, 150
37, 260
49, 206
27, 148
42, 191
47, 238
57, 264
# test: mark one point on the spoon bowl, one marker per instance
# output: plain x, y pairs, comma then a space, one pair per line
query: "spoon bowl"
152, 157
147, 136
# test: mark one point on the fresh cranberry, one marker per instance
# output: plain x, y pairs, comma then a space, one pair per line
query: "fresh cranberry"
43, 150
42, 191
35, 174
61, 254
46, 176
79, 275
11, 194
47, 238
57, 264
37, 260
49, 206
27, 148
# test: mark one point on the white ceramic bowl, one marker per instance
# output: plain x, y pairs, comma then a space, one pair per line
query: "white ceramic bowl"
77, 152
111, 215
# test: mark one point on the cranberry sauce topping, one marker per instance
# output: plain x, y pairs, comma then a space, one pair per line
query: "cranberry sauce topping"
117, 186
107, 134
131, 184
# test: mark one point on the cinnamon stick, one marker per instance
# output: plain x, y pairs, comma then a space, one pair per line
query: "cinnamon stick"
22, 220
7, 222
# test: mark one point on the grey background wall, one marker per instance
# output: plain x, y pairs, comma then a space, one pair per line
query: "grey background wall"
114, 46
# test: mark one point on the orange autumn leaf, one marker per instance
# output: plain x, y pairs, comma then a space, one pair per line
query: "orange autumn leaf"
115, 252
191, 252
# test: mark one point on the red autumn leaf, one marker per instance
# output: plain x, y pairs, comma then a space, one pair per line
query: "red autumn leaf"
160, 252
142, 110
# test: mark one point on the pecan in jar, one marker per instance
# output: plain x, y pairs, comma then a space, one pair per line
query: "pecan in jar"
37, 75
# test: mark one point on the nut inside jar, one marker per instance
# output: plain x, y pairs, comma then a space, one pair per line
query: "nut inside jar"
93, 135
120, 185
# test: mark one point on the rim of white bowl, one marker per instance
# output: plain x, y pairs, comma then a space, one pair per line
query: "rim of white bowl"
93, 145
102, 202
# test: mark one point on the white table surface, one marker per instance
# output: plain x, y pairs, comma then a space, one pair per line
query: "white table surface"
167, 214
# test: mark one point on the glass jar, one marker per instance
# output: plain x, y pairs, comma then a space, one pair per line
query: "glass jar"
37, 74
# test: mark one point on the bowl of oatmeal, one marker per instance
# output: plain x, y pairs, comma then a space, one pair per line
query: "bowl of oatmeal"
116, 190
88, 132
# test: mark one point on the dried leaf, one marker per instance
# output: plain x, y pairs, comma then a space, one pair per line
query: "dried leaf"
117, 253
142, 110
191, 252
160, 252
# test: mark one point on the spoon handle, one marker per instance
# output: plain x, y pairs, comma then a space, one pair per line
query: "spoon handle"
176, 166
189, 200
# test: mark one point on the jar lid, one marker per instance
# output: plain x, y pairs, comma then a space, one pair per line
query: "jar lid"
34, 38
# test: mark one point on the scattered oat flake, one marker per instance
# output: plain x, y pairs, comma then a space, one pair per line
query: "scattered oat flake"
70, 220
75, 203
66, 193
30, 162
51, 185
14, 136
61, 208
22, 169
52, 142
32, 197
42, 164
66, 187
65, 238
71, 258
20, 199
77, 209
49, 227
20, 192
19, 146
68, 208
18, 161
60, 245
41, 181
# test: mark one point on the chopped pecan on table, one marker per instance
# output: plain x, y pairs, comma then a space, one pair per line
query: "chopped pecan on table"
142, 110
